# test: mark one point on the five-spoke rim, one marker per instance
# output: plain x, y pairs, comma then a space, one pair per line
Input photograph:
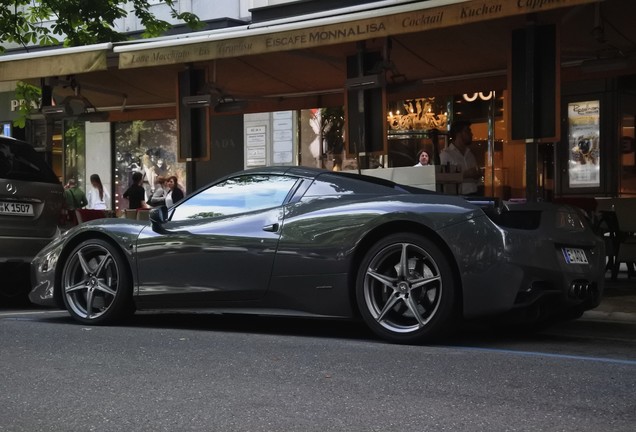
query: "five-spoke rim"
90, 281
402, 287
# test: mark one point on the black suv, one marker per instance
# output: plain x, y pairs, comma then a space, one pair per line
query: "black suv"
31, 204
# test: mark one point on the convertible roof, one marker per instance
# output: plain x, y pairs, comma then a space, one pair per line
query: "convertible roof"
310, 172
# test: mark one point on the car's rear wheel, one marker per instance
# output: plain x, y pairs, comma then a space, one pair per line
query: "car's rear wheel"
405, 289
96, 286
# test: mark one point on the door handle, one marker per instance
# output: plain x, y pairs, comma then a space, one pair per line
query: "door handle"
271, 228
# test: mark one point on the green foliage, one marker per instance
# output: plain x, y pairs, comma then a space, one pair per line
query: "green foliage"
75, 130
78, 22
75, 22
29, 97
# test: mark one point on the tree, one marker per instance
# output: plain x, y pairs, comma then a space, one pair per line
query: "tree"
78, 22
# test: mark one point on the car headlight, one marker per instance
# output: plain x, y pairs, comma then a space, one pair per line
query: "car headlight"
569, 219
49, 261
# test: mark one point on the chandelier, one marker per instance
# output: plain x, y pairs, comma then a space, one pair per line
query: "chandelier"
417, 114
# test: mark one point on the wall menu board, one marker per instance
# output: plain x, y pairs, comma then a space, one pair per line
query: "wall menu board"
583, 144
283, 137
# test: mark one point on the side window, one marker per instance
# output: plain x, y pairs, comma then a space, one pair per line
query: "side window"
323, 187
236, 195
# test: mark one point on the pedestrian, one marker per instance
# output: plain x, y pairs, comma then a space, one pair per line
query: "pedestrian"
423, 158
158, 197
174, 194
98, 197
75, 196
136, 194
458, 154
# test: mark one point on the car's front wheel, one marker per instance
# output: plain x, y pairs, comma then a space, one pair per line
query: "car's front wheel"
96, 285
406, 290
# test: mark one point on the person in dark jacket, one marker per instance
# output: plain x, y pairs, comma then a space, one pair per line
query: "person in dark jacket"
175, 194
136, 194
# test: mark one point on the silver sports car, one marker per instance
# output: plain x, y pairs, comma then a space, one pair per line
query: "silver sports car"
299, 241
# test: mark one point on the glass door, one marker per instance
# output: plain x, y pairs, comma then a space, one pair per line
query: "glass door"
74, 145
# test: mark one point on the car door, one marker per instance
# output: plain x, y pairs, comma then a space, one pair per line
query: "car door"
218, 245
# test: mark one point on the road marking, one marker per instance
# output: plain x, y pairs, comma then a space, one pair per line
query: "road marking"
561, 356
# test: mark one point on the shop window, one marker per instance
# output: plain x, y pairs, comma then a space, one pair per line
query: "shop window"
149, 147
422, 124
322, 139
414, 125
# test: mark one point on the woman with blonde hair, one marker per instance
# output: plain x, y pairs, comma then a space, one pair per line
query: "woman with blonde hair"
159, 195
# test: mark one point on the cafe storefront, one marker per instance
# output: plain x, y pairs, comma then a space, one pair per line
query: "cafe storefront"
400, 74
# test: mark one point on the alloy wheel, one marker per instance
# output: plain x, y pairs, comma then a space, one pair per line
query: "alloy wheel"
91, 280
402, 288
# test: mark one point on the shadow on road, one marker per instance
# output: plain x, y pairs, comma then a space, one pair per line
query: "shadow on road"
234, 323
478, 334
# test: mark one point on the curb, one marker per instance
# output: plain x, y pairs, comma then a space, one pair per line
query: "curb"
596, 315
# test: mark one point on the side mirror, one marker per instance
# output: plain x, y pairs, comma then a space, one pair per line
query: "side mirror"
159, 216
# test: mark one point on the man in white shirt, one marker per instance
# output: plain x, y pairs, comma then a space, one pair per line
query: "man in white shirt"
458, 154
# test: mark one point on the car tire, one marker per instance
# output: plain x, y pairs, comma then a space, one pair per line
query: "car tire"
96, 283
405, 289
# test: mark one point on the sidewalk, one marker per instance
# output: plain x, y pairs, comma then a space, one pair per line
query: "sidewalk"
618, 303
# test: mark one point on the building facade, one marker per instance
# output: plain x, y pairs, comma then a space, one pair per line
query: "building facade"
548, 86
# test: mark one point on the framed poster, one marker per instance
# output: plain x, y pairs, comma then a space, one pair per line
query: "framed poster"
583, 143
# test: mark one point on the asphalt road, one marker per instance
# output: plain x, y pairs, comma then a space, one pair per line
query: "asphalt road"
171, 372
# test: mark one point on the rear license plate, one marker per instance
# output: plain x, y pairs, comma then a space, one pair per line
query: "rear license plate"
16, 209
574, 256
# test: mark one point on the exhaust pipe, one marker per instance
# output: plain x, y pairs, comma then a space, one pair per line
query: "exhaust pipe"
581, 290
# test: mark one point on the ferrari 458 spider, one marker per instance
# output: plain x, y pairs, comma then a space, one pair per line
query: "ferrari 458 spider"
309, 242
